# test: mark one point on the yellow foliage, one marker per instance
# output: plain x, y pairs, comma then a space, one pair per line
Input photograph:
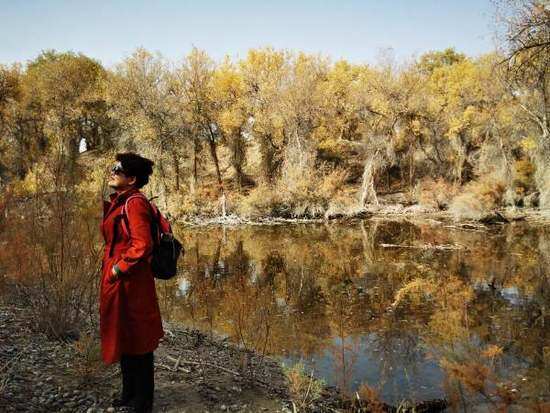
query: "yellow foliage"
304, 388
471, 374
371, 399
528, 143
448, 326
479, 198
415, 290
523, 174
492, 351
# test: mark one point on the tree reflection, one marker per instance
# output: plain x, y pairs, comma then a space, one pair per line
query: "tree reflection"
467, 324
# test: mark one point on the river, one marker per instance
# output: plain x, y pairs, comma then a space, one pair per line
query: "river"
413, 310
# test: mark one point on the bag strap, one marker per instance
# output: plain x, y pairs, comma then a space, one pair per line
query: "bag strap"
125, 222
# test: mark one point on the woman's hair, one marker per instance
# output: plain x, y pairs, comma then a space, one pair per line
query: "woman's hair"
135, 165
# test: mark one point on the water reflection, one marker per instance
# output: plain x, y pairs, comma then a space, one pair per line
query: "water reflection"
411, 321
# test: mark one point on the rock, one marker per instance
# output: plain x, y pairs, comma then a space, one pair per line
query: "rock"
110, 410
494, 218
418, 209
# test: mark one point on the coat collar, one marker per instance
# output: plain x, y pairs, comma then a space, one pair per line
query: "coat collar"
118, 198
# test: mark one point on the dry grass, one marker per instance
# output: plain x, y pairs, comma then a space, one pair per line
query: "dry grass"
301, 192
304, 388
204, 201
478, 199
435, 193
88, 363
52, 253
261, 201
543, 180
369, 399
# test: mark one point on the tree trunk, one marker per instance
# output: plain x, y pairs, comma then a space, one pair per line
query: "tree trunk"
368, 193
176, 165
213, 152
238, 158
195, 161
163, 181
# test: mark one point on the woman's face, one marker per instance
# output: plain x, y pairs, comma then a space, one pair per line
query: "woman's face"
118, 180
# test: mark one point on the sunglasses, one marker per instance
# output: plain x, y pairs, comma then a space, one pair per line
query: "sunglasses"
117, 169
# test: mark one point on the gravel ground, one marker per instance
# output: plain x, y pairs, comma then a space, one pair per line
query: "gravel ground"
193, 373
42, 375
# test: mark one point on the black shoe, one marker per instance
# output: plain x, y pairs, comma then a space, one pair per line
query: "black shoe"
142, 407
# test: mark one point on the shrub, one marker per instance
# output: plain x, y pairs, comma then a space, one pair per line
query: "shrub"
307, 192
343, 204
435, 193
304, 388
204, 201
261, 201
52, 253
294, 195
478, 199
543, 181
369, 399
88, 362
524, 176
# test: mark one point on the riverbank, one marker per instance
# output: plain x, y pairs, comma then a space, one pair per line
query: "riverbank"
193, 373
391, 212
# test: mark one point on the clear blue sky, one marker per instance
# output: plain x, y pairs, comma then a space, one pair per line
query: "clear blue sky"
352, 29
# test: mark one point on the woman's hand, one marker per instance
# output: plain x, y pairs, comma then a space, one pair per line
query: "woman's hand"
114, 275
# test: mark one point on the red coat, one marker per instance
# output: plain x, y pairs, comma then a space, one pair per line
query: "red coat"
129, 313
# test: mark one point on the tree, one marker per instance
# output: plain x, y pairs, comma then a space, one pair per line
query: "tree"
12, 148
65, 89
435, 59
196, 77
232, 117
265, 73
526, 44
141, 94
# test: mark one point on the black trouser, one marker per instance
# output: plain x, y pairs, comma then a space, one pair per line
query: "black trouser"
138, 380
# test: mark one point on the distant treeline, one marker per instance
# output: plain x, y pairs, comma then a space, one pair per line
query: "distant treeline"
282, 132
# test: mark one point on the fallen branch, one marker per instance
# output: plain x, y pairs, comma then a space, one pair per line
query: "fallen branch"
425, 246
468, 227
179, 368
109, 376
177, 363
196, 363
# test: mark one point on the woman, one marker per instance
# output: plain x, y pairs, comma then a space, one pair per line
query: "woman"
130, 322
